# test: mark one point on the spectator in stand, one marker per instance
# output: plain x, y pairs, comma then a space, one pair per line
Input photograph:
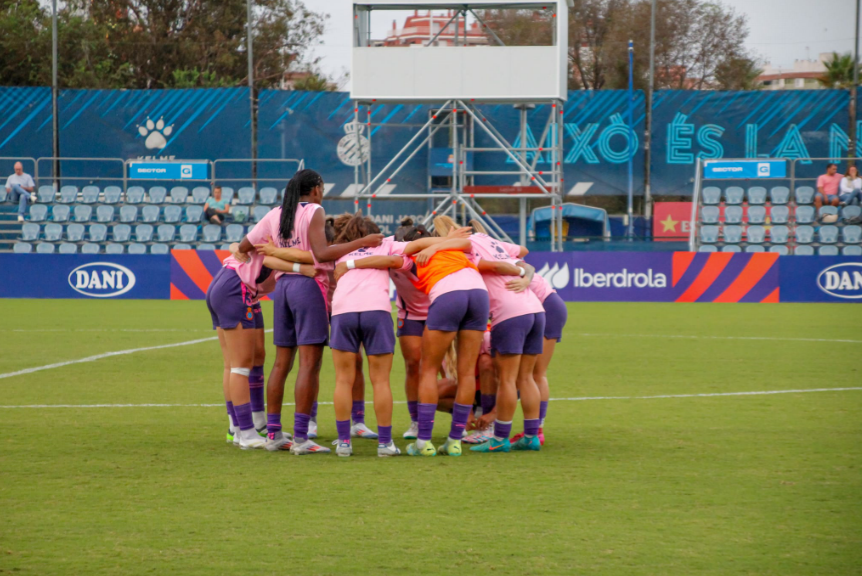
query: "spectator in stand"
827, 187
851, 187
215, 208
20, 185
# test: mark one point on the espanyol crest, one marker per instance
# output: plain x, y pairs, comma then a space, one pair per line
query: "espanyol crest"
353, 148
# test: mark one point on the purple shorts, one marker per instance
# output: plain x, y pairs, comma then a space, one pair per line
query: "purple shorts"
373, 330
407, 327
519, 335
299, 312
459, 310
229, 302
556, 315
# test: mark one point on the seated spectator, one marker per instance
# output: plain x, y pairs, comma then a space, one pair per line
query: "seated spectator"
20, 185
827, 187
851, 187
215, 208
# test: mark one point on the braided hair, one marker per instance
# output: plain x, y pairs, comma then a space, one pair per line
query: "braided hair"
302, 183
408, 231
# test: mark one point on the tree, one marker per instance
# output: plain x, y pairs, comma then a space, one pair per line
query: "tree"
314, 82
738, 73
839, 71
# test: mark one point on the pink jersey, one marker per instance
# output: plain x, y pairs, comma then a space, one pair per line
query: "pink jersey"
367, 289
465, 279
412, 303
541, 288
505, 304
249, 272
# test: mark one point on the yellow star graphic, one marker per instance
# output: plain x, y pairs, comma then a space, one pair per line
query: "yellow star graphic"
669, 224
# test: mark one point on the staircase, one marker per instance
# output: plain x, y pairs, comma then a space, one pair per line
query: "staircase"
10, 228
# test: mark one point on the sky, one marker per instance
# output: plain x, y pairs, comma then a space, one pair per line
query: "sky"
780, 31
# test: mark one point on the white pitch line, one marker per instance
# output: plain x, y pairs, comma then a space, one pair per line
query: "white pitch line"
579, 399
682, 336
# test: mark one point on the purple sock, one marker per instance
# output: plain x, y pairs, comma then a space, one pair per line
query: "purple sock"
531, 427
243, 416
543, 410
314, 411
488, 403
502, 430
384, 434
273, 423
413, 408
357, 414
343, 427
426, 420
300, 427
255, 389
460, 414
232, 413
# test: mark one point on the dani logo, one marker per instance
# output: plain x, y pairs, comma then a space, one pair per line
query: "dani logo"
557, 277
763, 169
101, 279
842, 281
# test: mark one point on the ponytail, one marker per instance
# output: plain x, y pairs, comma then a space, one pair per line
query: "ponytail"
302, 183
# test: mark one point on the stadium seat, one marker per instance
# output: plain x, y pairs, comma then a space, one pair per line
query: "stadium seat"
757, 195
157, 195
182, 247
53, 232
731, 248
121, 233
83, 213
711, 195
45, 195
30, 232
268, 196
733, 234
780, 250
733, 215
804, 234
22, 248
227, 194
707, 248
851, 234
756, 214
259, 212
166, 232
90, 248
850, 212
245, 196
112, 194
68, 248
188, 232
159, 249
734, 195
804, 195
38, 212
206, 247
172, 214
44, 248
709, 214
200, 195
828, 234
755, 248
98, 232
709, 234
239, 213
778, 234
827, 211
779, 214
68, 194
224, 247
179, 194
128, 213
150, 214
804, 214
60, 213
90, 194
827, 251
211, 233
104, 213
3, 194
114, 248
134, 195
137, 248
143, 232
75, 232
779, 194
233, 233
756, 234
846, 251
194, 214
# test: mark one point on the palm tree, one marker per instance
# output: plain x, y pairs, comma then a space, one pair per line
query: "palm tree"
738, 73
839, 71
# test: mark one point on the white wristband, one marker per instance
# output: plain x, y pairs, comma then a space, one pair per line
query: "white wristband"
523, 272
296, 267
351, 264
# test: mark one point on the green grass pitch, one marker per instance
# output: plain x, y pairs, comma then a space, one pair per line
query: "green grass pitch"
745, 484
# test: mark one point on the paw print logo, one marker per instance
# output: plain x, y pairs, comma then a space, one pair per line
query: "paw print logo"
155, 133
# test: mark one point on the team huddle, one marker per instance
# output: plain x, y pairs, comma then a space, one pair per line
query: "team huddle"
476, 327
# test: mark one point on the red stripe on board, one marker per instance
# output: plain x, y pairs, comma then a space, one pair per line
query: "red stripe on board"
681, 262
773, 298
194, 268
176, 294
753, 272
714, 266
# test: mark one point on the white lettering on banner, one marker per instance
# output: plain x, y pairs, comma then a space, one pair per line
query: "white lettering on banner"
101, 279
842, 280
624, 279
